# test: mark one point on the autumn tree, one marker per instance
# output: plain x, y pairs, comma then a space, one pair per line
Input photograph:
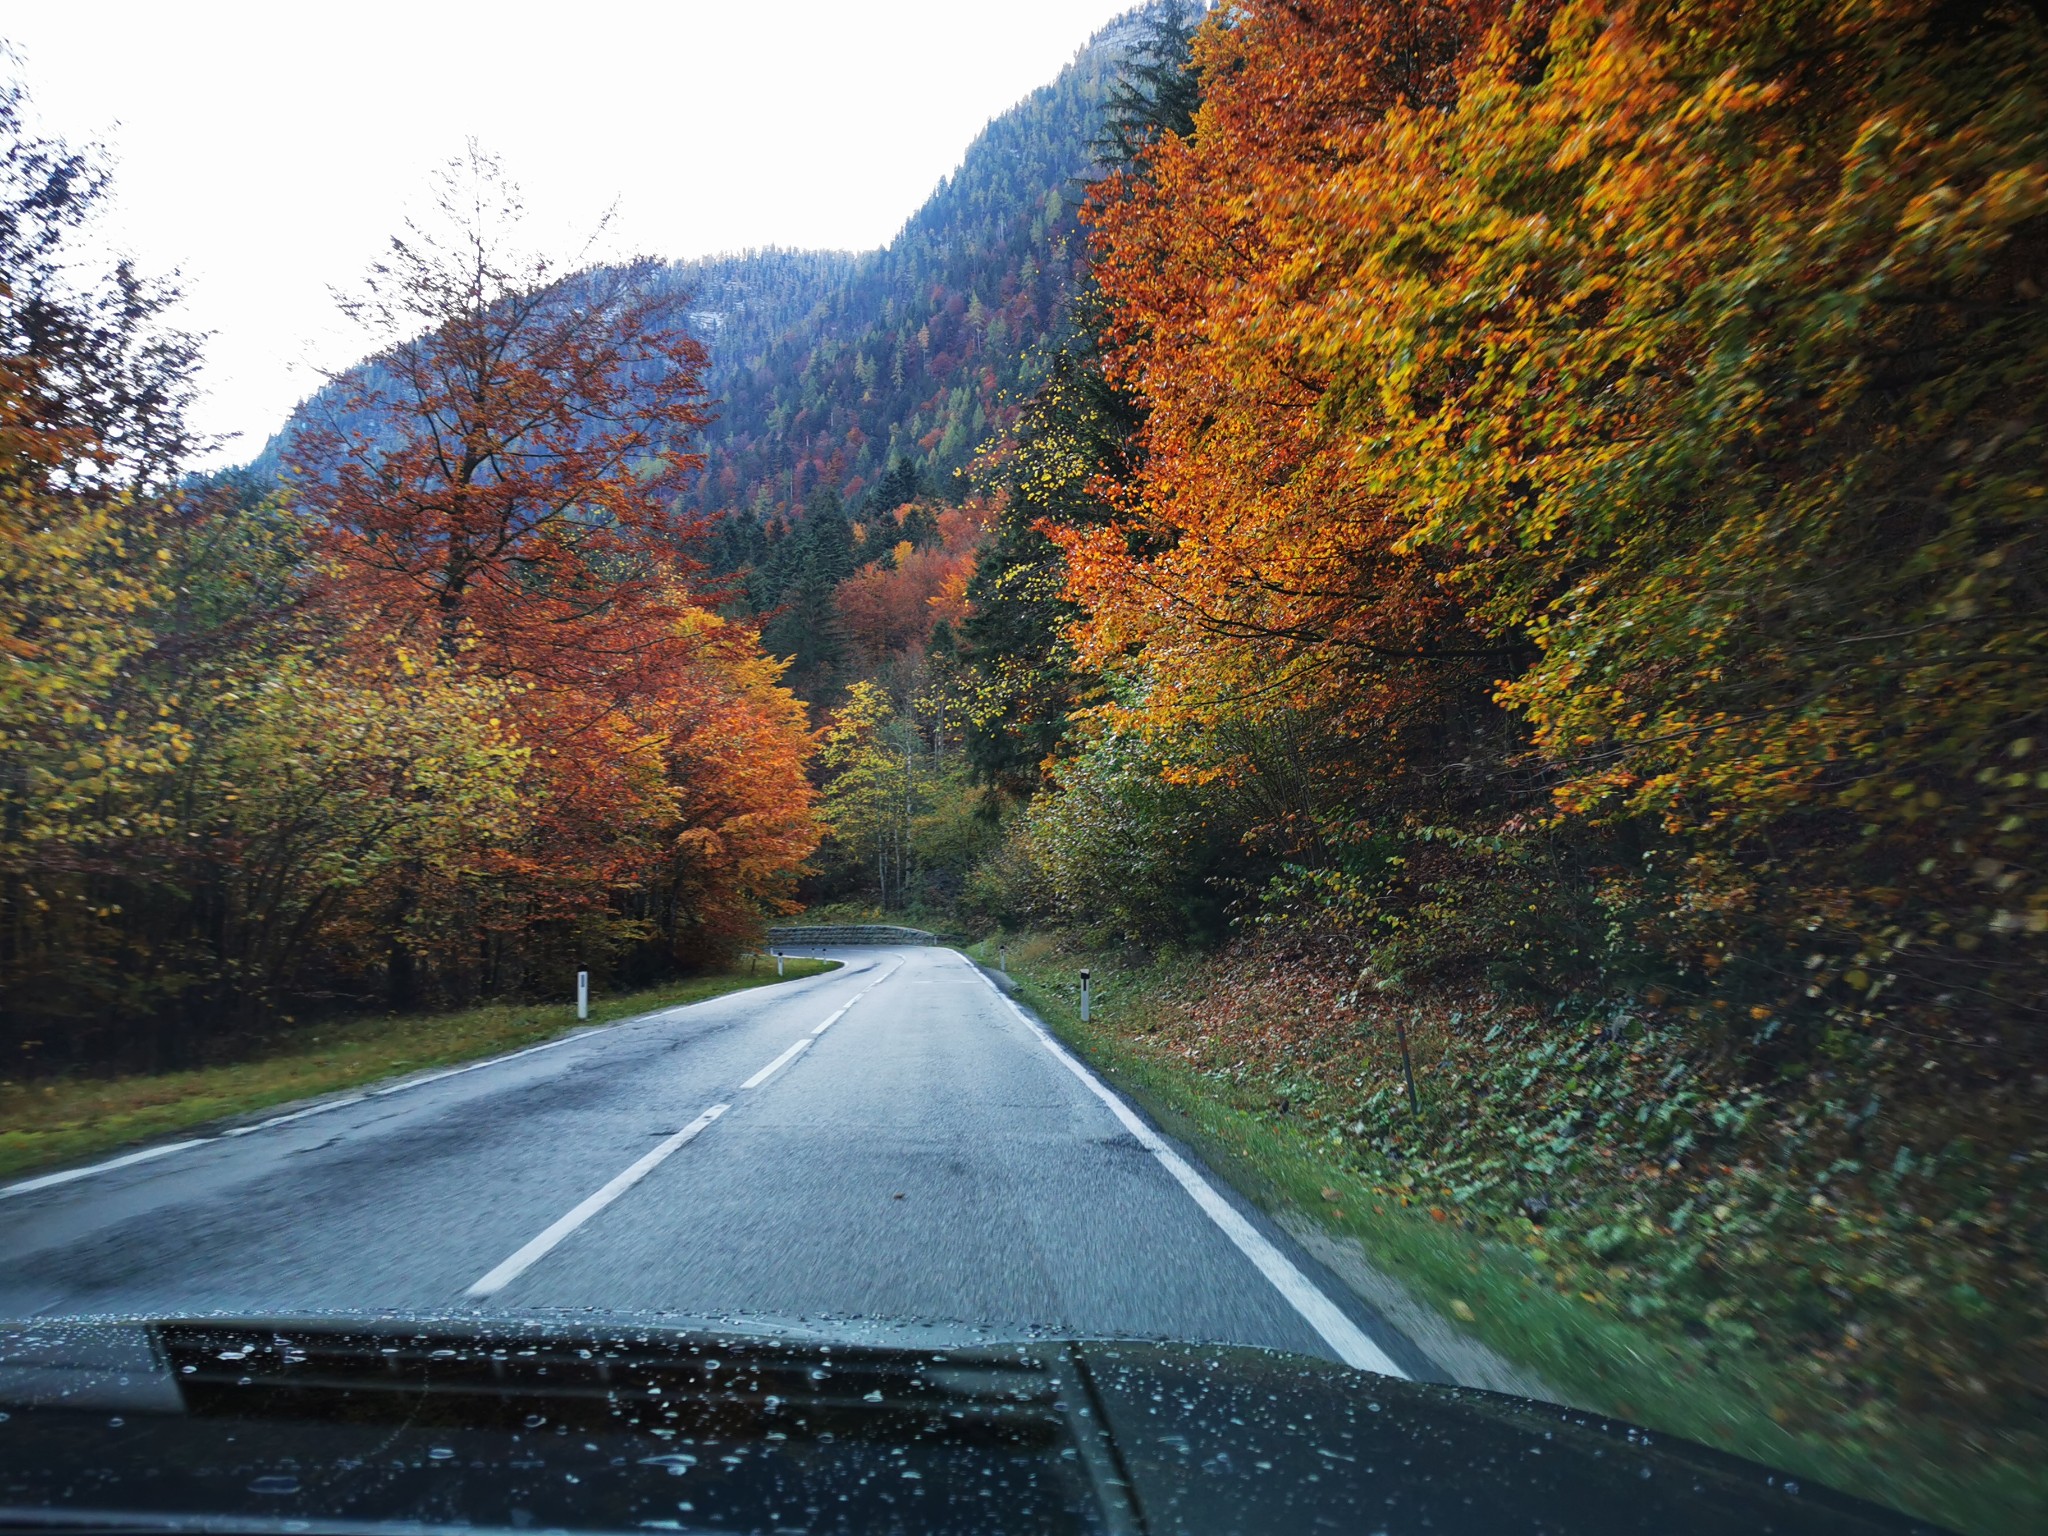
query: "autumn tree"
500, 484
501, 478
93, 382
869, 786
1616, 424
1618, 430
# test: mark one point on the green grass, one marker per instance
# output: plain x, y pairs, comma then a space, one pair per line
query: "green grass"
1498, 1294
64, 1120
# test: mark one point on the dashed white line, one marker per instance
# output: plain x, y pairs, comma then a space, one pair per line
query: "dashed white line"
527, 1256
541, 1246
1350, 1342
777, 1064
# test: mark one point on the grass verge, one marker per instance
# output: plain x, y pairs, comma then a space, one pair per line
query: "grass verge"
50, 1123
1744, 1403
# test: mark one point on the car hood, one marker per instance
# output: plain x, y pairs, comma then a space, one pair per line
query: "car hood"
429, 1424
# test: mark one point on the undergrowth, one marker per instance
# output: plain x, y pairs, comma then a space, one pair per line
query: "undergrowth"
1764, 1271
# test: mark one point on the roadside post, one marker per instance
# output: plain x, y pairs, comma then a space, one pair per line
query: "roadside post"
778, 962
1084, 997
583, 994
1003, 958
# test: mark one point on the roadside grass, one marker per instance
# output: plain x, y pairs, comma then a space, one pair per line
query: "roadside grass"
1498, 1293
64, 1120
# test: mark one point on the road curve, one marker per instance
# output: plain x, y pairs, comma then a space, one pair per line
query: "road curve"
892, 1142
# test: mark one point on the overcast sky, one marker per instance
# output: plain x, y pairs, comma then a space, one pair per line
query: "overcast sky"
268, 150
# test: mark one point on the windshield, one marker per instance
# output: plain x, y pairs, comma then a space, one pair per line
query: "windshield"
1207, 763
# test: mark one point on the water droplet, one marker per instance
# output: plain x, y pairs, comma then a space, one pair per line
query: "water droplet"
440, 1453
535, 1420
677, 1462
280, 1483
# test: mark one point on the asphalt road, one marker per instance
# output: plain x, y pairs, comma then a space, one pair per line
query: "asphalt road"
891, 1145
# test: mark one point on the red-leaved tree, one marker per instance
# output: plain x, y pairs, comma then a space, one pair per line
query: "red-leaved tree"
498, 487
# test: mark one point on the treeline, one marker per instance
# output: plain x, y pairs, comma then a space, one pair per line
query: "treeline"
921, 352
1543, 525
1560, 491
452, 715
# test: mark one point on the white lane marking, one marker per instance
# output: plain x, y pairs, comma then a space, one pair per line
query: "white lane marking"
302, 1114
478, 1066
147, 1154
778, 1063
863, 992
1350, 1342
51, 1180
527, 1256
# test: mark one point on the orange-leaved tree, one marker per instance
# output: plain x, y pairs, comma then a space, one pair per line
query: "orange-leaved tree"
1675, 369
500, 484
1252, 575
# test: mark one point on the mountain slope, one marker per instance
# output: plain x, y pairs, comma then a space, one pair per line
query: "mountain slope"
830, 367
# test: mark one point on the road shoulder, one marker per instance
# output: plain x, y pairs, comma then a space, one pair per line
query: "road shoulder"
54, 1128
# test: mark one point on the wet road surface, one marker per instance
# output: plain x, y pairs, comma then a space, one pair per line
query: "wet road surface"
893, 1141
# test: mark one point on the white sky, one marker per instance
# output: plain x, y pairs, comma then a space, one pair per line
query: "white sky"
268, 150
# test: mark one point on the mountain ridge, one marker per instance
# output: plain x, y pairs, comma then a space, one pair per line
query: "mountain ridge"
829, 368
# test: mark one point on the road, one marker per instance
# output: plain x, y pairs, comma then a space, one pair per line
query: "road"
893, 1144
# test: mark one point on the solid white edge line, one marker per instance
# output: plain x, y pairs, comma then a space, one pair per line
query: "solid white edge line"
778, 1063
527, 1256
478, 1066
51, 1180
303, 1114
1350, 1342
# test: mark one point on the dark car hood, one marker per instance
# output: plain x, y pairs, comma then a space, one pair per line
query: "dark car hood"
324, 1425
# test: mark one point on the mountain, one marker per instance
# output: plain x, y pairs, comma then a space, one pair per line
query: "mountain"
830, 368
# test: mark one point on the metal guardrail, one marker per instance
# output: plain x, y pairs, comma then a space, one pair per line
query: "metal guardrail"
852, 933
